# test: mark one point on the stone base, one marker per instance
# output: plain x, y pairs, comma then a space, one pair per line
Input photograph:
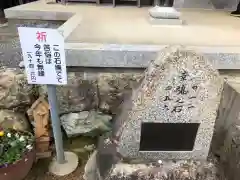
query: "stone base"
180, 170
68, 167
164, 12
161, 170
107, 164
156, 21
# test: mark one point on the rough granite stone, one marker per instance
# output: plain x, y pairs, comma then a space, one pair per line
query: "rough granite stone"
112, 87
15, 92
90, 123
166, 170
152, 170
107, 164
10, 119
79, 94
180, 86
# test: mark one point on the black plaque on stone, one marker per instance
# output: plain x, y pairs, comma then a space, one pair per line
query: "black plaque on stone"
168, 136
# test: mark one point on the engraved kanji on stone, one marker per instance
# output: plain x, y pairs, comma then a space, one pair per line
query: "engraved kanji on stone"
168, 88
194, 87
181, 90
179, 100
165, 107
183, 75
177, 108
167, 98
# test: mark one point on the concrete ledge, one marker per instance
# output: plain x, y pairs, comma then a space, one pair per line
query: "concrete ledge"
46, 15
31, 11
139, 56
70, 25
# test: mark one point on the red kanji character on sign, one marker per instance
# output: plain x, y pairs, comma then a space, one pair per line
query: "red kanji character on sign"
41, 36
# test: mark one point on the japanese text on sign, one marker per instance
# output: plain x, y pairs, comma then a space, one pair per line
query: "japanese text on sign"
181, 96
44, 55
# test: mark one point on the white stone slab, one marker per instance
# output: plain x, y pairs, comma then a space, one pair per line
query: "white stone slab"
155, 21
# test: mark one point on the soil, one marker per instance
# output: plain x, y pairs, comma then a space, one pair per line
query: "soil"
40, 172
76, 145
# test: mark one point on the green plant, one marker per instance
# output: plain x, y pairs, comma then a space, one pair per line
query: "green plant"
14, 145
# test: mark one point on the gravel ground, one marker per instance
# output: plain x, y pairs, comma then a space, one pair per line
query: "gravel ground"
40, 169
40, 172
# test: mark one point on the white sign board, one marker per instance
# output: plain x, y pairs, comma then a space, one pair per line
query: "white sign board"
43, 55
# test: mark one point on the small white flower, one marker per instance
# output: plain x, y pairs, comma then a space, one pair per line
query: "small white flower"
22, 139
29, 147
9, 135
17, 135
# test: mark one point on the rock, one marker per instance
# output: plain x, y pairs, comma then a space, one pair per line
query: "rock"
230, 153
110, 165
15, 92
179, 170
90, 170
79, 94
167, 170
86, 91
172, 114
112, 87
11, 119
85, 123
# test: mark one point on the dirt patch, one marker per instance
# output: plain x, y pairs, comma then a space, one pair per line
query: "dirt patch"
76, 145
40, 172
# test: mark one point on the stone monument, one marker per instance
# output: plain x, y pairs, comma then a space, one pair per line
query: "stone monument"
167, 123
176, 104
